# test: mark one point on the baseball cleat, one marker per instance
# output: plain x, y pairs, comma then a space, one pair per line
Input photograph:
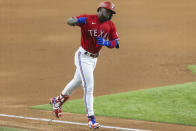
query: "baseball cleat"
56, 108
57, 113
57, 103
92, 123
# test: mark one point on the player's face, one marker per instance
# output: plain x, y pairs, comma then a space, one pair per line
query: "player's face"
105, 14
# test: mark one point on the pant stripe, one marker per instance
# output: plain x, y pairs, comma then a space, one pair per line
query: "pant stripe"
83, 78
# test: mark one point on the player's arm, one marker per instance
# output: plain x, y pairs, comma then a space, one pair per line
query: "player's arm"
73, 21
111, 43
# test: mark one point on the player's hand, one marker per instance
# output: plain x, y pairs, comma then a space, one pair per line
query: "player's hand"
81, 20
103, 42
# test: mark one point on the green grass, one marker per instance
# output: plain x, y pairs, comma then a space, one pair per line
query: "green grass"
11, 129
169, 104
192, 68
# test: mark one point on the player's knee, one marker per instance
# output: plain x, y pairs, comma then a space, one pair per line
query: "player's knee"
89, 89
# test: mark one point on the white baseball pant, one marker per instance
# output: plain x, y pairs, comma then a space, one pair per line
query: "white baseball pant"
85, 66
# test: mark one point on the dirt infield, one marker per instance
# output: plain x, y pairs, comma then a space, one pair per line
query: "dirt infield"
37, 49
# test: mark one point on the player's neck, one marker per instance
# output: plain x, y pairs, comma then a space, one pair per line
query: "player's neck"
101, 19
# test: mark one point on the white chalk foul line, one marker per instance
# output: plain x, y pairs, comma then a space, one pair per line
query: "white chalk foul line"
68, 122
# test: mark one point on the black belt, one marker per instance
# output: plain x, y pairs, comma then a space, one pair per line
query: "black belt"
91, 55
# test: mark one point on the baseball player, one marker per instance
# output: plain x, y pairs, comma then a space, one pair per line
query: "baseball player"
96, 31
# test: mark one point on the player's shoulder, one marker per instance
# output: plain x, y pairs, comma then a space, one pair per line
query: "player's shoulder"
110, 22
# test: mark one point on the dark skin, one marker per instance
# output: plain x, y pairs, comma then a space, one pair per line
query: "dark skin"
103, 15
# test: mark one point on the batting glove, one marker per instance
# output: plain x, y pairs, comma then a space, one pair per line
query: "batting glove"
81, 20
103, 42
110, 44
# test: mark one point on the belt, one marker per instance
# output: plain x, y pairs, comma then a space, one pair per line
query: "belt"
91, 55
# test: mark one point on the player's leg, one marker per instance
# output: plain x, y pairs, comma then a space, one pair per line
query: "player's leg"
58, 101
88, 84
75, 83
86, 71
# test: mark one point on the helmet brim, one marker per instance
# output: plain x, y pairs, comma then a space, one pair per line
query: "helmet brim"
113, 12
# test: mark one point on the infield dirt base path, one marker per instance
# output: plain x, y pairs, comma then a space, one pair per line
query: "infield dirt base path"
157, 43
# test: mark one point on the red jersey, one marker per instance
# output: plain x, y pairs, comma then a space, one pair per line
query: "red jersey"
93, 29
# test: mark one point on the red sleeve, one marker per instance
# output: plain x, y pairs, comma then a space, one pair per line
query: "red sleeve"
113, 33
79, 17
